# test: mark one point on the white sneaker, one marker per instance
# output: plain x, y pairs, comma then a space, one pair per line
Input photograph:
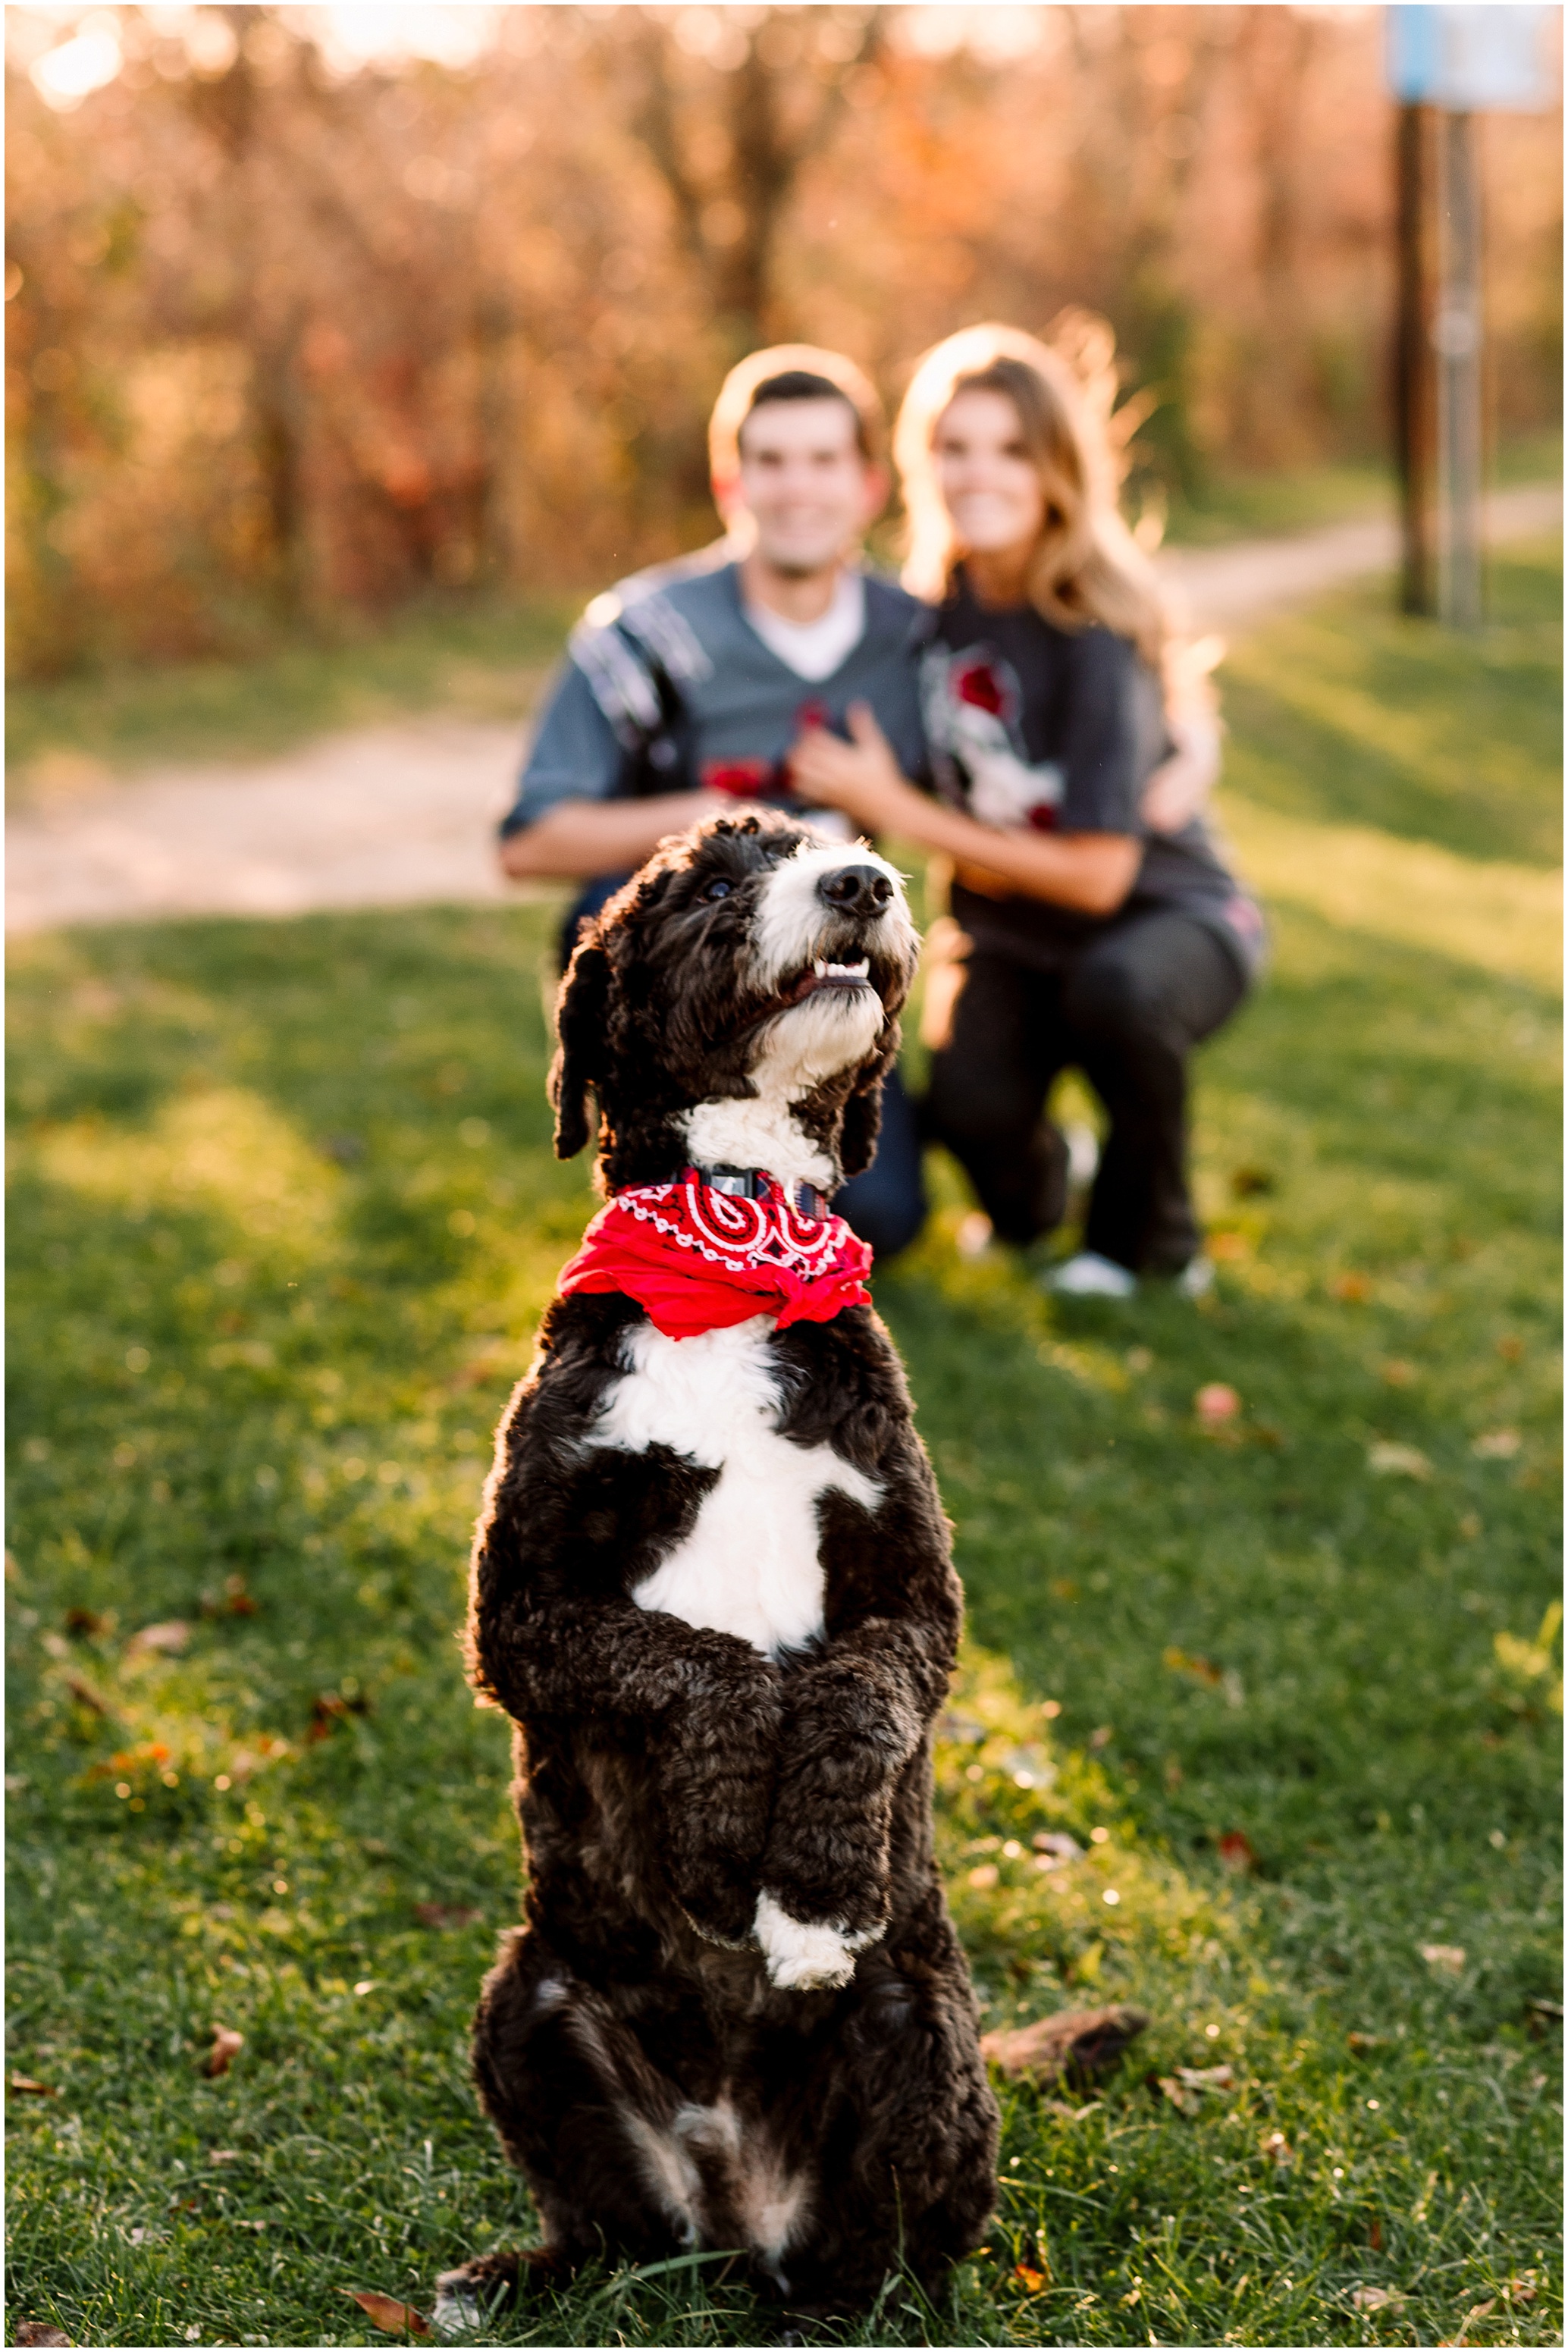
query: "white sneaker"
1089, 1276
1083, 1157
1195, 1279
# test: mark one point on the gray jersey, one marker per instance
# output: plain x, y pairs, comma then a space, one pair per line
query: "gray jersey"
667, 686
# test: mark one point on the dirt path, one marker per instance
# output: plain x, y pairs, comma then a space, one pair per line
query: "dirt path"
403, 814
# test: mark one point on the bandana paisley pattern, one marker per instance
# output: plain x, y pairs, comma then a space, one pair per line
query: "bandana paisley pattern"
697, 1260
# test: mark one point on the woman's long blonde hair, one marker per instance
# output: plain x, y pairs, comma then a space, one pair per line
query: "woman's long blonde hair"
1088, 566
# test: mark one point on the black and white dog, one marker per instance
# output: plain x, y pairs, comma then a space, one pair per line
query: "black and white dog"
711, 1585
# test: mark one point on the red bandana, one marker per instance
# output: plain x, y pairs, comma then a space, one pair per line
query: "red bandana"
700, 1260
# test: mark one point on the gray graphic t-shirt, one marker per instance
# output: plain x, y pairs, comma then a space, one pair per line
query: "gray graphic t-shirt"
1027, 724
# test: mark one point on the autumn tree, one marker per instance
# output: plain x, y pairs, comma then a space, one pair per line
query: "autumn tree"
295, 335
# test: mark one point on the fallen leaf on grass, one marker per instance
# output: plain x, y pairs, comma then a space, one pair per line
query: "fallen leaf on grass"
329, 1707
1448, 1959
1187, 2087
1033, 2282
447, 1914
386, 2312
1277, 2149
1397, 1462
1376, 2298
1070, 2045
236, 1600
1237, 1851
168, 1639
226, 2046
1056, 1845
1183, 1661
1216, 1403
38, 2331
38, 2090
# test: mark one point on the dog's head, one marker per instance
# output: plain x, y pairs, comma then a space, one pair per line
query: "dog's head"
737, 1002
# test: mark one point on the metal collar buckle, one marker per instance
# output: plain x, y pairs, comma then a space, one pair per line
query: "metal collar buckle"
746, 1184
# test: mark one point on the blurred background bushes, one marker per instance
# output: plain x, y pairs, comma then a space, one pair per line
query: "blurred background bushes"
297, 336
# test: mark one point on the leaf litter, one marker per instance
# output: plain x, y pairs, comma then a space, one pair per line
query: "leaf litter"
388, 2314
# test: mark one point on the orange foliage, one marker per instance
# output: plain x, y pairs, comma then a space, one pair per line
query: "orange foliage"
289, 338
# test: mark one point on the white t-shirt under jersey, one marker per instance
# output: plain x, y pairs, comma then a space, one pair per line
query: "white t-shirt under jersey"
815, 649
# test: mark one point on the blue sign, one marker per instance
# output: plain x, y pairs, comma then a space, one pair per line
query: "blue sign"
1469, 58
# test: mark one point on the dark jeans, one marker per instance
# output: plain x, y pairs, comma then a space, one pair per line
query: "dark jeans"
1127, 1011
887, 1205
590, 899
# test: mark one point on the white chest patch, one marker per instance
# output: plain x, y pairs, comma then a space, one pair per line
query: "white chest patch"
749, 1566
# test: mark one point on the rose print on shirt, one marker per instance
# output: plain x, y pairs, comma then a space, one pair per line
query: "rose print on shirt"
972, 706
974, 679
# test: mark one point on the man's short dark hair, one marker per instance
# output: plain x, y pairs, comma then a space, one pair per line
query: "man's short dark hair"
799, 384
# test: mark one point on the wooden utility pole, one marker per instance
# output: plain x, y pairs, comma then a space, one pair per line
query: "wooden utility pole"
1415, 370
1457, 332
1445, 64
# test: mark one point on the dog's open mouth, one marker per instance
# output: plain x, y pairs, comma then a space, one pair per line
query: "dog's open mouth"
822, 975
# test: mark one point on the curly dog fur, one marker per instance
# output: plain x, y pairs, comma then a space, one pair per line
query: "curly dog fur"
737, 2015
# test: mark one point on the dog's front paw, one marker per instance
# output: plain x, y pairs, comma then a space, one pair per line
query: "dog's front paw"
801, 1957
469, 2300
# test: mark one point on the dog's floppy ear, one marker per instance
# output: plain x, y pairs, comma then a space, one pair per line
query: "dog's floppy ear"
581, 1013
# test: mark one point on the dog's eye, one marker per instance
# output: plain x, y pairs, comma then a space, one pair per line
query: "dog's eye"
720, 888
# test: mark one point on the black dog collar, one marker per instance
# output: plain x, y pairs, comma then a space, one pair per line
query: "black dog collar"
746, 1183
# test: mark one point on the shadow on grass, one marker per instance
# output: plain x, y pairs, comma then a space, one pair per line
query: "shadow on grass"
1351, 713
285, 1216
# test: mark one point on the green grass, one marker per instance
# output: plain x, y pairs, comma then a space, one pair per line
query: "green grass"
1299, 499
1335, 721
481, 660
283, 1216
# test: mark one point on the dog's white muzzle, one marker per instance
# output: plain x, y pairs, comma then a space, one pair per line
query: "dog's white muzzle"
795, 919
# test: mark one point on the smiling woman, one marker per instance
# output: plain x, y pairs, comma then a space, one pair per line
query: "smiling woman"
1082, 936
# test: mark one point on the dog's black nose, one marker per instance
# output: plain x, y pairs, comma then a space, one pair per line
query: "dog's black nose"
857, 890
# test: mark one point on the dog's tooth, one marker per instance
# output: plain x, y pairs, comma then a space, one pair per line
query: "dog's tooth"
820, 968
